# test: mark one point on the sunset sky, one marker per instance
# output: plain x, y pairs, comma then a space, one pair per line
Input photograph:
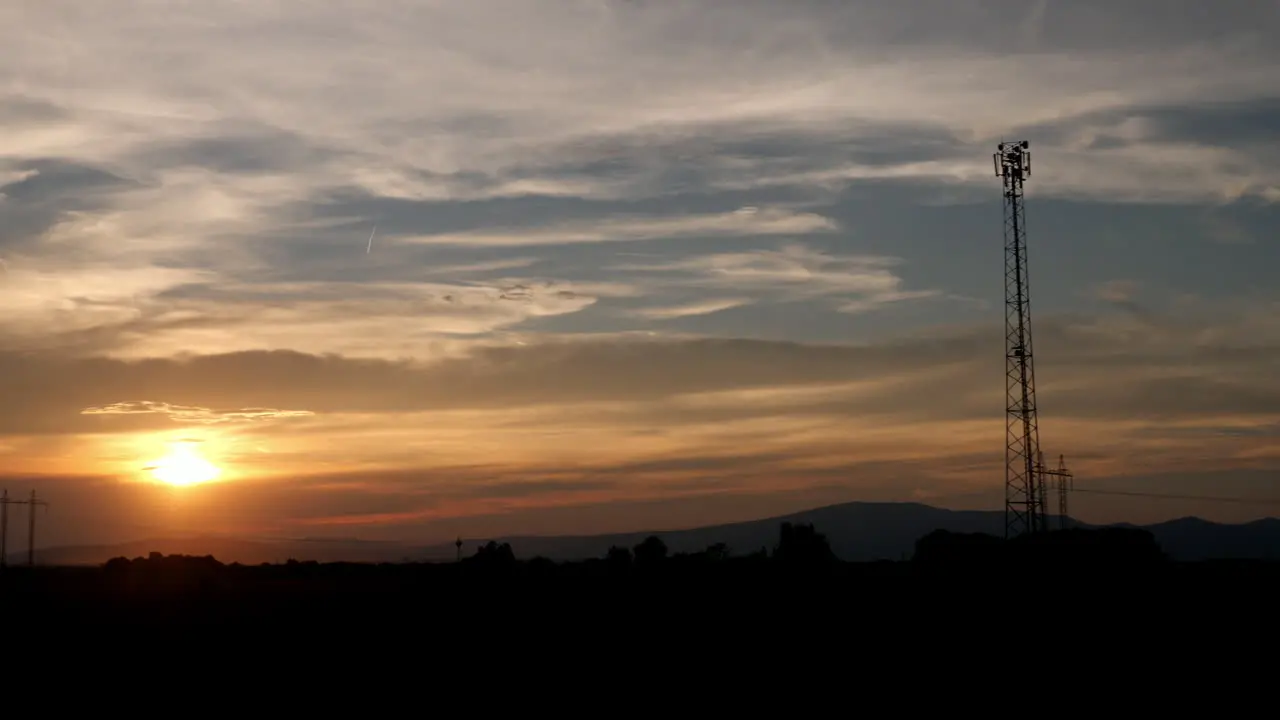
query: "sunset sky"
638, 264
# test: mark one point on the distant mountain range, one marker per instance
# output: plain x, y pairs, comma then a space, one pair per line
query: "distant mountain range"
857, 531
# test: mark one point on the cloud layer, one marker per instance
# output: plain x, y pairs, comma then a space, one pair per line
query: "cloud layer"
742, 222
419, 99
217, 144
585, 208
524, 429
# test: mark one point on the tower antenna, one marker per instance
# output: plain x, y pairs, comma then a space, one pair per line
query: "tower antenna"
1024, 494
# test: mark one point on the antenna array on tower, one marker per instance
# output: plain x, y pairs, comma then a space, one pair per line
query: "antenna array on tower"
1026, 478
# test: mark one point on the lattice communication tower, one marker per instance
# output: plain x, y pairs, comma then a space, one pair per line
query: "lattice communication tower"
1024, 510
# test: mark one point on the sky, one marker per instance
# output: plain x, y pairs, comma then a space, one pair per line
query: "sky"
423, 268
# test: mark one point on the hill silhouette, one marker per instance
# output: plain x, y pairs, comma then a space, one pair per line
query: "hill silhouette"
862, 532
856, 531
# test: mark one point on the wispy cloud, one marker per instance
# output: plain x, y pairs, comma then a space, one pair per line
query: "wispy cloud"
344, 96
1085, 360
1117, 291
482, 267
705, 307
746, 221
198, 415
386, 319
226, 134
855, 307
793, 273
46, 301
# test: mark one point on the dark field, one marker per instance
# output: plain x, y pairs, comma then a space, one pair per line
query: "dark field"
1080, 576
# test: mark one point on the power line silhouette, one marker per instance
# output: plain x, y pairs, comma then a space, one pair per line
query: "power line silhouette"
32, 504
1206, 498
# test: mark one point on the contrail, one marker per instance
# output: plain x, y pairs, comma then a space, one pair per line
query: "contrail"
371, 232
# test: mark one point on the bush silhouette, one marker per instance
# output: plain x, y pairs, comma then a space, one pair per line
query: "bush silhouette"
651, 551
802, 545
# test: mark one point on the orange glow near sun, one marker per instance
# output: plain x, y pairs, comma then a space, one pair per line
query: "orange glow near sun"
183, 466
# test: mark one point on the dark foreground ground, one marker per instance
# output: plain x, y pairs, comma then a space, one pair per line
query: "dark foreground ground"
798, 590
187, 592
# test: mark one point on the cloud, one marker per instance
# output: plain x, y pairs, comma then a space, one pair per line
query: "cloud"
187, 195
747, 221
386, 319
220, 142
46, 301
199, 415
1129, 364
483, 267
706, 307
793, 273
868, 304
1117, 291
638, 419
341, 97
367, 318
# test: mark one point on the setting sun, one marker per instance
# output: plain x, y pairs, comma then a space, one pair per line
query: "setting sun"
183, 466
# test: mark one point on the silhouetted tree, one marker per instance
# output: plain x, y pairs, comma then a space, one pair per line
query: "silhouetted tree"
650, 551
541, 566
494, 554
802, 545
1096, 547
943, 547
1093, 548
718, 551
618, 558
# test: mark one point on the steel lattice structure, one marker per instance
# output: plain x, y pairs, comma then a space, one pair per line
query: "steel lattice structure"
1024, 484
1063, 480
1066, 483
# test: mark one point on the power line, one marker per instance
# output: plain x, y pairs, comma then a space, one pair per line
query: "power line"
1206, 498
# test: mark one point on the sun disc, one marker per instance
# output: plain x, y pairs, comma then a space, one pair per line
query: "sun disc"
183, 466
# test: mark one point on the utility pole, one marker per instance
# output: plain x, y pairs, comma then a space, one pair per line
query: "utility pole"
31, 504
1064, 482
31, 528
4, 528
1024, 494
